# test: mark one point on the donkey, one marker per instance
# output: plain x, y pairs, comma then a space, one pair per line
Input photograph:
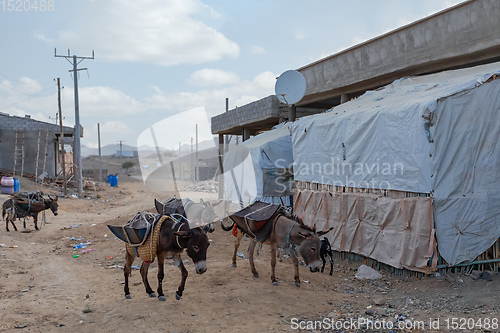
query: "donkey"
20, 207
198, 214
290, 234
174, 237
324, 252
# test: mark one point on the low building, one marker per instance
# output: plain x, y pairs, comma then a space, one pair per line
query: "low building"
29, 146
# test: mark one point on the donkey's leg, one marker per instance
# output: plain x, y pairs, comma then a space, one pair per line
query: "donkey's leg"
184, 273
323, 255
12, 221
296, 266
129, 260
331, 263
237, 243
144, 273
251, 249
35, 220
161, 275
273, 264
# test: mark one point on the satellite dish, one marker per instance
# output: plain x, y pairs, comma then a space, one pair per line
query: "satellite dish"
290, 87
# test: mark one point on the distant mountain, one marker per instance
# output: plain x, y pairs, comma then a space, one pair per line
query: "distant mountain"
145, 150
105, 150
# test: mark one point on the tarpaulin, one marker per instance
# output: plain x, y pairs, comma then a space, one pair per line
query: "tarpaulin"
435, 134
397, 232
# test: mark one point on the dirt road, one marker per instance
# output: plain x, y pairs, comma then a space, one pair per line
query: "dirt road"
45, 288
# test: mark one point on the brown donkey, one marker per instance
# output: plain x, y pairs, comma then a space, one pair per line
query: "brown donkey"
289, 233
171, 241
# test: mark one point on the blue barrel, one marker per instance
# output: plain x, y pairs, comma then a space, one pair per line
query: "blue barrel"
17, 185
108, 178
113, 180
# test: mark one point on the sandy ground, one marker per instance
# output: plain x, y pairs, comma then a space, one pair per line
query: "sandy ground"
44, 288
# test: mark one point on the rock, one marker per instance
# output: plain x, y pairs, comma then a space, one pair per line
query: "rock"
379, 300
486, 275
474, 275
367, 273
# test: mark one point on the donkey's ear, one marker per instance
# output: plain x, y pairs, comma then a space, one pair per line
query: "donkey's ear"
202, 202
303, 235
324, 232
159, 207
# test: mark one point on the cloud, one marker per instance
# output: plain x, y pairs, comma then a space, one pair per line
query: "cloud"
255, 49
123, 117
299, 35
102, 101
213, 100
169, 35
111, 131
212, 77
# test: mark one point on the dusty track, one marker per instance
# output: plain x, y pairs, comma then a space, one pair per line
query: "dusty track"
43, 288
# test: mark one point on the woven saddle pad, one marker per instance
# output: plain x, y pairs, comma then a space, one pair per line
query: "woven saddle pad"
147, 251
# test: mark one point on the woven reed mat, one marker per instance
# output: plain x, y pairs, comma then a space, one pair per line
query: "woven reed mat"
147, 251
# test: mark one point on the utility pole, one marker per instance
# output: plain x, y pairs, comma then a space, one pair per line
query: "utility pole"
121, 150
78, 158
192, 164
196, 171
100, 158
180, 162
61, 137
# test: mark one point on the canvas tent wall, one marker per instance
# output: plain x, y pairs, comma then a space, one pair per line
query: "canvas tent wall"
257, 169
420, 156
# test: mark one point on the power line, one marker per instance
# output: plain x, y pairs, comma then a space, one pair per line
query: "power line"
8, 106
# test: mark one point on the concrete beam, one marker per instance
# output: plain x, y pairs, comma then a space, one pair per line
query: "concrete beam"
460, 36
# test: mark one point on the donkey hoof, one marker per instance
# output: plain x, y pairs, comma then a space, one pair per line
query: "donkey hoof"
297, 284
255, 275
275, 283
128, 296
233, 265
177, 296
152, 295
162, 298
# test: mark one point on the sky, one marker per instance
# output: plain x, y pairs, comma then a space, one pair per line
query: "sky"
157, 59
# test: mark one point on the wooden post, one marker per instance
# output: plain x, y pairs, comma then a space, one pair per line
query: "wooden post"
61, 138
221, 167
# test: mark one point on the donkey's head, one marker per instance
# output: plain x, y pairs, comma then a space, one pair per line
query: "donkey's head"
208, 215
197, 247
53, 205
310, 247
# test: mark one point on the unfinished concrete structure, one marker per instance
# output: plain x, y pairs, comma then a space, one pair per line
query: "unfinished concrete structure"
29, 146
465, 35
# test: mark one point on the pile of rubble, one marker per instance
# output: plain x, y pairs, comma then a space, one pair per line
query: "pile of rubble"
210, 186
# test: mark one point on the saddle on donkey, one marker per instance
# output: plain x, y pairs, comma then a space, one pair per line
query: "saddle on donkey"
253, 219
141, 234
136, 231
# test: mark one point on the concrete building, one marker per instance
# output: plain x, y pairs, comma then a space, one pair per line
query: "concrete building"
30, 146
465, 35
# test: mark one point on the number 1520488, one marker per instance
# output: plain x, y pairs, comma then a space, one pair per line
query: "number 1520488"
27, 5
